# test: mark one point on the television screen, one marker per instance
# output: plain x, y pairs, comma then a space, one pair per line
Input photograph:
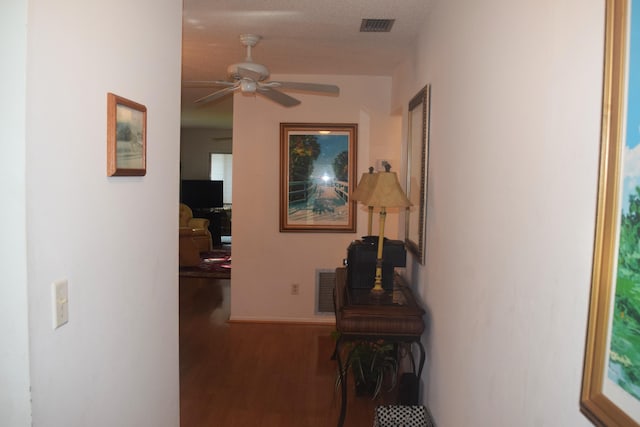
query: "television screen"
201, 194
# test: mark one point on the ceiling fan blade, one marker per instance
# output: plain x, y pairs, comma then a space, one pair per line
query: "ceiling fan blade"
205, 83
308, 87
215, 95
279, 97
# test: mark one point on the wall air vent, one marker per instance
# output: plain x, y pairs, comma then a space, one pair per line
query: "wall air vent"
325, 282
376, 25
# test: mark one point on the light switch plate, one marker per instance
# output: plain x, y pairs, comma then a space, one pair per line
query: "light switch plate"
60, 294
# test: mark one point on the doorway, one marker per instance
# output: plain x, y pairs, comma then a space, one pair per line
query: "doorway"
221, 169
206, 154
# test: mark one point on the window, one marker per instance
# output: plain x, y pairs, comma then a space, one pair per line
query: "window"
221, 171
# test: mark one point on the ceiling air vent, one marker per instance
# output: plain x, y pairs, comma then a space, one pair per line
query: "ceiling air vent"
376, 25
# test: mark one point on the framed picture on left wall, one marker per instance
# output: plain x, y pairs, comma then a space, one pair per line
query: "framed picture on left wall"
126, 137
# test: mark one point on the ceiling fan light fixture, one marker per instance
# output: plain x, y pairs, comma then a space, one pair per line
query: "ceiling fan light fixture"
248, 86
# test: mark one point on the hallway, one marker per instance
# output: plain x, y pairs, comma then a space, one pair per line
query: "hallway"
254, 374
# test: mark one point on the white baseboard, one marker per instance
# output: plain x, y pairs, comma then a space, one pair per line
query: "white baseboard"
320, 320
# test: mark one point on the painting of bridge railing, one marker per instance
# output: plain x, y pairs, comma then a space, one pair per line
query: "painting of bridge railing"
317, 168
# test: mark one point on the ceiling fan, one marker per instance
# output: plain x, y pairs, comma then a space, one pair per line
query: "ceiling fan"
250, 77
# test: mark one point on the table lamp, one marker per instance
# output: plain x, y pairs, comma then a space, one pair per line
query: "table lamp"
362, 191
384, 192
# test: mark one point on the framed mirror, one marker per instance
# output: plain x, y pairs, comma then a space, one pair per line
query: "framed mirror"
417, 173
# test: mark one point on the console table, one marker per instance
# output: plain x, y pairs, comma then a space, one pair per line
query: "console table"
360, 315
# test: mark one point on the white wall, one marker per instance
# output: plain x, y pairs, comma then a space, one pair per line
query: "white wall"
516, 92
196, 144
265, 261
116, 362
14, 350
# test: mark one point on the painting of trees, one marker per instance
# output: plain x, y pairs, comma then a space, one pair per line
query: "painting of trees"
624, 360
341, 166
303, 150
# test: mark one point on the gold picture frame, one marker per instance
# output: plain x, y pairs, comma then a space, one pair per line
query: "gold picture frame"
317, 169
417, 173
126, 137
610, 393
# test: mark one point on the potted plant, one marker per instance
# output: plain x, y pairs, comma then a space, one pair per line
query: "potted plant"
373, 364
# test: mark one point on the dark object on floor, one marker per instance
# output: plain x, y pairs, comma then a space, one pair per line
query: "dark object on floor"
408, 389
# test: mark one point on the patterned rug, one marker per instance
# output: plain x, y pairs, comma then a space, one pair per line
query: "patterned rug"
215, 264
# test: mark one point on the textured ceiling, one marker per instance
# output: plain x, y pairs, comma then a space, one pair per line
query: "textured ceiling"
298, 37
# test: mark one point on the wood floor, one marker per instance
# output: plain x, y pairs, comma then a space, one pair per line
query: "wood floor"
263, 375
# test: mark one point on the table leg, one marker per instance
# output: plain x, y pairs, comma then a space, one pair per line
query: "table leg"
422, 357
343, 384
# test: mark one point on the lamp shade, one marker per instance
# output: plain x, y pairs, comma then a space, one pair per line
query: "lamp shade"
385, 191
364, 186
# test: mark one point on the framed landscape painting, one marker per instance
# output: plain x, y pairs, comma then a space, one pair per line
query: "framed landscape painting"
317, 169
126, 137
611, 378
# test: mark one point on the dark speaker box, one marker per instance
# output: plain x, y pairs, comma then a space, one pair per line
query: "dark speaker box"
361, 262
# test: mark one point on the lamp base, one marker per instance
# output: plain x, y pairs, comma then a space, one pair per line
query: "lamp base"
377, 291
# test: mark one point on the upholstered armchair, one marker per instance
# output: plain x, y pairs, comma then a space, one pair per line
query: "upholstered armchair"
194, 237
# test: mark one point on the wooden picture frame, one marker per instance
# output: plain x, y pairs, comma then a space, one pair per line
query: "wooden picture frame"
610, 385
126, 137
317, 168
417, 173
